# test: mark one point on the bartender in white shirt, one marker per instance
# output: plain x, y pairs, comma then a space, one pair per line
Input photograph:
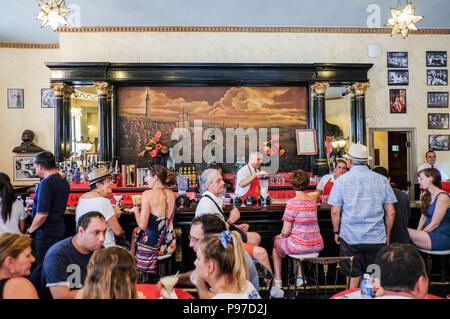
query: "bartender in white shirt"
247, 178
430, 157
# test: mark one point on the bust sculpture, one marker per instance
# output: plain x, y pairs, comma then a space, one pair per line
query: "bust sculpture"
27, 145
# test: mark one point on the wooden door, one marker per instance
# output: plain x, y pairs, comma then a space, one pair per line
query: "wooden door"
397, 156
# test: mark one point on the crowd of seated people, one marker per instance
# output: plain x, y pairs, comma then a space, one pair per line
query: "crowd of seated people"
90, 265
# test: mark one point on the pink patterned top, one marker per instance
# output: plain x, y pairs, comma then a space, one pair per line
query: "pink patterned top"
305, 235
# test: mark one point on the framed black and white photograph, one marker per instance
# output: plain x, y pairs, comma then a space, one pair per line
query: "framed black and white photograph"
398, 77
397, 59
47, 98
24, 169
438, 121
397, 99
436, 58
437, 99
437, 77
439, 142
15, 98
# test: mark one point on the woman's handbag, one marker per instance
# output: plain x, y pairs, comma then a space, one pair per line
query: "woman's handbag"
147, 255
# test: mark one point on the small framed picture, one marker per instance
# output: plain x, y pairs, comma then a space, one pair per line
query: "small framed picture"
47, 98
306, 142
439, 142
438, 121
437, 99
436, 58
397, 98
24, 168
437, 77
398, 77
397, 60
15, 98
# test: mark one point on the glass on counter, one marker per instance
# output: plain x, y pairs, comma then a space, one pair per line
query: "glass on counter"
137, 200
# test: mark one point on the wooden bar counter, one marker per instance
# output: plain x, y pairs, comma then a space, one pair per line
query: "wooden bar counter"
264, 220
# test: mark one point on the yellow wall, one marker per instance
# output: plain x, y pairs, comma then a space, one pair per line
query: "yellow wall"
157, 47
381, 143
24, 68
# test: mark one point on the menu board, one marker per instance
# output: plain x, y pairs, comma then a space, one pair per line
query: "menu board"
306, 142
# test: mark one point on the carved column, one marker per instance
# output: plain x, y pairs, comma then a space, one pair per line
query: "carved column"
59, 90
66, 123
351, 91
360, 90
321, 160
109, 124
102, 91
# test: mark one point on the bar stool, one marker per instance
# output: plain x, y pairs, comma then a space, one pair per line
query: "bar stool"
441, 253
295, 261
164, 264
164, 267
315, 260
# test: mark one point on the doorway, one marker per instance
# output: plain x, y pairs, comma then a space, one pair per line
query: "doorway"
393, 148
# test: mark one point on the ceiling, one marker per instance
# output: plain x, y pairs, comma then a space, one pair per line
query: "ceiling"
18, 22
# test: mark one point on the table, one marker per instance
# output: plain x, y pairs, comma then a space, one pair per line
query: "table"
151, 291
356, 294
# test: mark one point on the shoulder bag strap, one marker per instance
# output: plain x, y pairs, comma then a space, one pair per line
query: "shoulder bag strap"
219, 208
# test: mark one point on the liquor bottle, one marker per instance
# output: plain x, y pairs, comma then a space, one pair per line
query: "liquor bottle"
170, 162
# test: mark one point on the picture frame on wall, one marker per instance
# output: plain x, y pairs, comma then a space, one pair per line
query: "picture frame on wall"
437, 77
439, 142
398, 77
436, 58
47, 98
397, 59
437, 99
23, 168
438, 121
15, 98
306, 142
397, 100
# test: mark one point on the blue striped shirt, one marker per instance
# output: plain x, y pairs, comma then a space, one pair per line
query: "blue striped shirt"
361, 195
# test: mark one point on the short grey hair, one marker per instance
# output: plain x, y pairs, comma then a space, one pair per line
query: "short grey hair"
356, 163
206, 178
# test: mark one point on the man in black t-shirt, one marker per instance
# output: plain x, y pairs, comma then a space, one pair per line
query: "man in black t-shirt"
65, 265
49, 206
399, 232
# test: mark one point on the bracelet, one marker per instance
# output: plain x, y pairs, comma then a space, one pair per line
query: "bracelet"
336, 232
28, 232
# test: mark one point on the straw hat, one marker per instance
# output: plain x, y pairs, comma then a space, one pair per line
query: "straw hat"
98, 175
358, 152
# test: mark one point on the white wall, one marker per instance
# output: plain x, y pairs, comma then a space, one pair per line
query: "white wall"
230, 47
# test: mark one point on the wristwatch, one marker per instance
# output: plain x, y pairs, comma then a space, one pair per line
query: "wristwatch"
336, 232
28, 232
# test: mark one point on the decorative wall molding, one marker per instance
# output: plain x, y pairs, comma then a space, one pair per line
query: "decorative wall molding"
29, 45
248, 29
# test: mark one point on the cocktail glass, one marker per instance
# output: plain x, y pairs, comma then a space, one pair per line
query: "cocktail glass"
233, 198
117, 198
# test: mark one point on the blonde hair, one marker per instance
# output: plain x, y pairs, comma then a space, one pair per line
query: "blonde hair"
11, 245
111, 273
231, 261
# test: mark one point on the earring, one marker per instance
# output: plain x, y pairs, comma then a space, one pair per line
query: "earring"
12, 270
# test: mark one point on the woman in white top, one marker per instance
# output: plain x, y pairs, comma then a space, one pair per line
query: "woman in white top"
12, 213
221, 264
101, 184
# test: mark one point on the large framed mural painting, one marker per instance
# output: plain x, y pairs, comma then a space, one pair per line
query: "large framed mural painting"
265, 110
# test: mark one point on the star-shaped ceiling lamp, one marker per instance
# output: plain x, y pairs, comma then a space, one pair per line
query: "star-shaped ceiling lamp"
403, 20
52, 13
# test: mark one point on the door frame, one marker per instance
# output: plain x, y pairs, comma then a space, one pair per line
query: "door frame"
411, 163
